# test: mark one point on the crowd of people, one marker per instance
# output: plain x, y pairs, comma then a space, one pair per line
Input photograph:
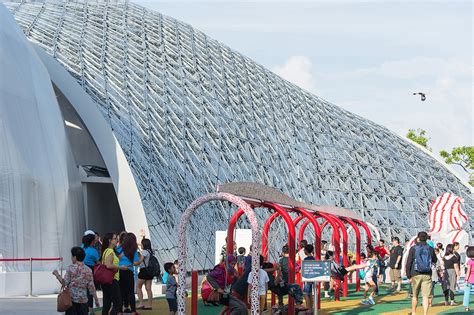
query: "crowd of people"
132, 266
426, 266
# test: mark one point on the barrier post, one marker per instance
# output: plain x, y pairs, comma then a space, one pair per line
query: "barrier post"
31, 277
194, 292
61, 267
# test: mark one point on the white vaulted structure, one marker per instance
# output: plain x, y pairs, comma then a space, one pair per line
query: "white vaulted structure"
165, 114
41, 210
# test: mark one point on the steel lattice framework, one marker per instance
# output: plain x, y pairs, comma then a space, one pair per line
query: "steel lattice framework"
190, 113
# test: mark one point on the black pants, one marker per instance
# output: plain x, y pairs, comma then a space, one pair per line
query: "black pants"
78, 309
112, 298
127, 290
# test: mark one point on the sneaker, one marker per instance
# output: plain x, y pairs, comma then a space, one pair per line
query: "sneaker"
467, 309
452, 303
365, 302
371, 301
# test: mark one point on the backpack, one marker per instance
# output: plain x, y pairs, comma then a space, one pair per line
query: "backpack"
152, 269
422, 259
154, 266
338, 271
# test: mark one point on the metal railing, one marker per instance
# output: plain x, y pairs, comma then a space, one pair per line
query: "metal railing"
31, 260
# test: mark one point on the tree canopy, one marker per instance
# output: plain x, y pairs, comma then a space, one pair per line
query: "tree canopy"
461, 156
419, 137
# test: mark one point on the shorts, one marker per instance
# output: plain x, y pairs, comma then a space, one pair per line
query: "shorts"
173, 305
423, 283
308, 288
395, 275
143, 275
262, 299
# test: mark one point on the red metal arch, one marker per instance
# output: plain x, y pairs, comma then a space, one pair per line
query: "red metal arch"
357, 233
291, 241
345, 259
366, 228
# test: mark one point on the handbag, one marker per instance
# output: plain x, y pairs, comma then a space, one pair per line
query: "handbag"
64, 299
103, 275
214, 296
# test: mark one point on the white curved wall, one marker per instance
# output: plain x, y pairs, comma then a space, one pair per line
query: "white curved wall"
128, 196
40, 190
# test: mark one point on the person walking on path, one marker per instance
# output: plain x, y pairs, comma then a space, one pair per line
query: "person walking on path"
395, 264
418, 271
451, 274
78, 280
469, 277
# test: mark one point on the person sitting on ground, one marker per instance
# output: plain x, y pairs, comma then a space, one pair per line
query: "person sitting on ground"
171, 288
262, 285
78, 280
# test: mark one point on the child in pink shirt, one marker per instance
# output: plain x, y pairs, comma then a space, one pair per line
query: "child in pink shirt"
469, 277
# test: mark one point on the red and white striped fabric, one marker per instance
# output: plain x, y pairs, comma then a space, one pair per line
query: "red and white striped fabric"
446, 214
446, 219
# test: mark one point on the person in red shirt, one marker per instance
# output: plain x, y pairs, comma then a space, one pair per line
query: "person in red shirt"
384, 254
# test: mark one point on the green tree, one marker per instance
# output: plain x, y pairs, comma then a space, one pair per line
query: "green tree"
463, 157
418, 136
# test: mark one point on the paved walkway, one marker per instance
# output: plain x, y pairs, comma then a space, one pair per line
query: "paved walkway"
387, 304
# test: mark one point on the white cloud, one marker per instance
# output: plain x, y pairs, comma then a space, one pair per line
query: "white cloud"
383, 93
298, 70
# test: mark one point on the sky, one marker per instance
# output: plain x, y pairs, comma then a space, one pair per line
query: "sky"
368, 57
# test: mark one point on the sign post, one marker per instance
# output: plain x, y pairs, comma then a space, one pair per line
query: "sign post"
315, 271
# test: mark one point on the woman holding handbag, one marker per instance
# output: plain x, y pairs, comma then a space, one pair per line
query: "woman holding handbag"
78, 280
111, 292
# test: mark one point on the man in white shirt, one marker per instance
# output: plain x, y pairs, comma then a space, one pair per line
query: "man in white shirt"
262, 284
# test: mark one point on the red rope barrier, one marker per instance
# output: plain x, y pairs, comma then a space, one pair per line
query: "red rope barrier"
28, 259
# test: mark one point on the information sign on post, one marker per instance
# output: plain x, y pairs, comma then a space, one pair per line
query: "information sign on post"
315, 271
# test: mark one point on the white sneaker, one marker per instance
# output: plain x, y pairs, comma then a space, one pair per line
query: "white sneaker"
371, 301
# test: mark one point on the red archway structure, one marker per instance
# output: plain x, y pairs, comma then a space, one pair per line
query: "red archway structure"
291, 240
366, 229
357, 233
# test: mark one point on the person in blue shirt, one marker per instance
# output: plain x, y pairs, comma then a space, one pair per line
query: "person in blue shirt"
129, 257
92, 257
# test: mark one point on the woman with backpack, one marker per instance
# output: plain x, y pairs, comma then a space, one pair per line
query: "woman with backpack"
144, 276
451, 274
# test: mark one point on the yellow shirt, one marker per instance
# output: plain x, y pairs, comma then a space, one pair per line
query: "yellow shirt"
115, 261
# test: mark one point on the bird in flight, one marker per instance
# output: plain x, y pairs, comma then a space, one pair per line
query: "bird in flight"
423, 96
